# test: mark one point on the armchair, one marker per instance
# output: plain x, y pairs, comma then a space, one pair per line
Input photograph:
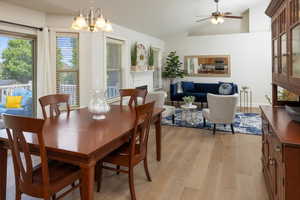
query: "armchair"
221, 110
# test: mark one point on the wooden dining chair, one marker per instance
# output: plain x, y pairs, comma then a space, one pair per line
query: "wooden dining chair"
134, 94
47, 178
131, 154
54, 101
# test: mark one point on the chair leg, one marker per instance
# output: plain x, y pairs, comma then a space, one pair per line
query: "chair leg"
118, 168
214, 131
131, 183
232, 129
204, 122
81, 190
99, 178
173, 119
18, 195
54, 197
147, 170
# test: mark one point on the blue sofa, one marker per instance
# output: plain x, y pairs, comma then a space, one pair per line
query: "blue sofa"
26, 104
198, 90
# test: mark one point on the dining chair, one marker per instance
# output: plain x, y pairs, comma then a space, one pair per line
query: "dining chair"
132, 153
54, 101
45, 179
134, 94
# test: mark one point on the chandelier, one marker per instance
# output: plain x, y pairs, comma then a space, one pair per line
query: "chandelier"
91, 19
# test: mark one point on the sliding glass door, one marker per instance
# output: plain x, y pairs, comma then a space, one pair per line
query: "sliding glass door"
17, 74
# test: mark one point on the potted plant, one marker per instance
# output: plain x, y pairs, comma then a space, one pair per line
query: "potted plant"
189, 100
173, 70
151, 59
134, 58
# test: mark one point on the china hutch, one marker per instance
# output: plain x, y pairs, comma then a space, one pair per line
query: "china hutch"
281, 135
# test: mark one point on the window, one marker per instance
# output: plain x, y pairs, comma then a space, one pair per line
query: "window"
114, 67
17, 73
157, 73
67, 66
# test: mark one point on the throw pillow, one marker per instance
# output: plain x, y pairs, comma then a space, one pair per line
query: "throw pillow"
13, 101
225, 88
179, 88
187, 86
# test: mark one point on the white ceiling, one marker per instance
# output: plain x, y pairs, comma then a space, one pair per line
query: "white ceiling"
159, 18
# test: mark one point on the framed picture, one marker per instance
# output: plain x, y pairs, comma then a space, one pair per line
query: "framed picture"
208, 66
141, 56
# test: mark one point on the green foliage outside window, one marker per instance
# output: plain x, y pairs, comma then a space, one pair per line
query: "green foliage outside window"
17, 61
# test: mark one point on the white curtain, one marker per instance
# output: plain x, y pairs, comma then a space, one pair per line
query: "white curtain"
45, 84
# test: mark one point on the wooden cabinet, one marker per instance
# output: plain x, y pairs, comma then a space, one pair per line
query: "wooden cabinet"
280, 153
285, 16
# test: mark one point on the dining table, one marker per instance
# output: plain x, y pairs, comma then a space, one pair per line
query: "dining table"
76, 138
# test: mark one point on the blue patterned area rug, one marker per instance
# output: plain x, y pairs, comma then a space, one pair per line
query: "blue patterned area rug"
246, 123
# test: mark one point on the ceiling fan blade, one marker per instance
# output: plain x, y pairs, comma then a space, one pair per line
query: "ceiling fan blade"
226, 13
204, 19
234, 17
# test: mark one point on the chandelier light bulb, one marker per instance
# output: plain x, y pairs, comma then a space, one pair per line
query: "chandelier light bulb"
75, 26
81, 22
108, 27
100, 22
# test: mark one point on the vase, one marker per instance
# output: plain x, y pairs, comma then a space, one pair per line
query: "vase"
189, 104
98, 105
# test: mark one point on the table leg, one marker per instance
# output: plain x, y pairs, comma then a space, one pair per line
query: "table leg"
158, 137
3, 172
88, 178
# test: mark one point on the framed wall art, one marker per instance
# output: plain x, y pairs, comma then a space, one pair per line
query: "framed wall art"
208, 66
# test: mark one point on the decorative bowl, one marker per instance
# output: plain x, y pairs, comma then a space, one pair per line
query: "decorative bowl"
294, 112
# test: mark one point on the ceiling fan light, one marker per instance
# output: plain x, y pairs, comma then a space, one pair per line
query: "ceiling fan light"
220, 20
214, 20
100, 22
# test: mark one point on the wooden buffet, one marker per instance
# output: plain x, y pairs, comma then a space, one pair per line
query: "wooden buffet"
281, 135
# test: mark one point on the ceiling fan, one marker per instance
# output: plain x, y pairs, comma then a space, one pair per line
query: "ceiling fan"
217, 17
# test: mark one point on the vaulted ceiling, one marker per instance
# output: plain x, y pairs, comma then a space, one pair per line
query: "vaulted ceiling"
159, 18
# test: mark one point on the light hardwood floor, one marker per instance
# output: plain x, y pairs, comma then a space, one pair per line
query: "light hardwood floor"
195, 166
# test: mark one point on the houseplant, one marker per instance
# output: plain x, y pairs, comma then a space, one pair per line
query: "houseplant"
134, 58
172, 69
188, 100
151, 59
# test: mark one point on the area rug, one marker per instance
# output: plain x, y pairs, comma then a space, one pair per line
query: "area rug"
246, 123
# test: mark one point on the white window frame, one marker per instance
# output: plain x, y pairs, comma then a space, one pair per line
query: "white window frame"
69, 34
123, 81
159, 68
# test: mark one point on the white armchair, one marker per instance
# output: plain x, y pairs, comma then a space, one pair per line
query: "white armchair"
159, 98
221, 110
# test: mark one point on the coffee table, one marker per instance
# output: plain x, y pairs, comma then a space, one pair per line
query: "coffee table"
188, 114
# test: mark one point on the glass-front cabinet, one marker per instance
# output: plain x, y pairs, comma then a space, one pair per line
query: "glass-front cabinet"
294, 29
296, 52
284, 54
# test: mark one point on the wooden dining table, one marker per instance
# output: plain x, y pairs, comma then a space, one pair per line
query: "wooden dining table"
77, 139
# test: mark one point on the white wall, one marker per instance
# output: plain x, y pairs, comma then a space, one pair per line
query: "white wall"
258, 20
92, 55
250, 58
21, 15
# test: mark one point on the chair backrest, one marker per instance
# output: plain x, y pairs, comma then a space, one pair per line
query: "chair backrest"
141, 130
222, 107
54, 101
159, 97
16, 126
134, 94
